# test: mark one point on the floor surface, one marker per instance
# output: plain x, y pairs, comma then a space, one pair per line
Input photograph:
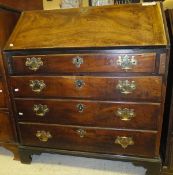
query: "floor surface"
54, 164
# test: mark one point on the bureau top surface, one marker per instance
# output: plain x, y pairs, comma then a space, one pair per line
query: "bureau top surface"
108, 26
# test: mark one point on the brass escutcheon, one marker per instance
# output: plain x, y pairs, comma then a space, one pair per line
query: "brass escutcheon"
40, 110
126, 62
79, 84
81, 132
33, 63
124, 141
126, 86
80, 107
125, 114
77, 61
43, 136
37, 85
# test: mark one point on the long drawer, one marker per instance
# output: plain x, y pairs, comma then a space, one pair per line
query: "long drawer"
89, 139
89, 87
2, 96
89, 113
5, 128
71, 63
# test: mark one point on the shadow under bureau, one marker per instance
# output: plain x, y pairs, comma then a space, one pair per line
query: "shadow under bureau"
90, 82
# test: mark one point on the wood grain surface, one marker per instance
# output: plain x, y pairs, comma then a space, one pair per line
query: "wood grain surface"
95, 140
110, 26
95, 113
63, 63
148, 88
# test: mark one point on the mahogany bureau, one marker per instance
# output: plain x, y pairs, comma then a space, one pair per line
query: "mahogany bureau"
90, 82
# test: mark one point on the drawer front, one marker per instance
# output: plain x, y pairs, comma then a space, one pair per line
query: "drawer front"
89, 113
5, 128
91, 140
116, 88
84, 63
2, 96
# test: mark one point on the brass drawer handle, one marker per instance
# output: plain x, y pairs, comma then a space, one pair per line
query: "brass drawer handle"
125, 86
125, 114
77, 61
33, 63
126, 62
124, 141
43, 136
81, 132
79, 84
37, 85
80, 107
40, 110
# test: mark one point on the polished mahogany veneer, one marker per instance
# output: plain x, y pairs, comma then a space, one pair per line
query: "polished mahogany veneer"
89, 113
90, 139
83, 63
85, 28
146, 88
